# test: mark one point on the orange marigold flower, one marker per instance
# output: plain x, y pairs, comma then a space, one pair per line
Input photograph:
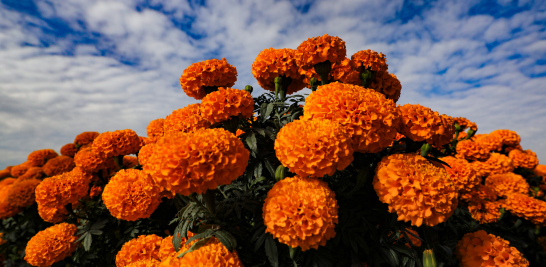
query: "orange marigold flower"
422, 124
51, 245
496, 164
213, 253
39, 157
155, 129
144, 247
465, 123
507, 149
444, 132
527, 207
507, 183
343, 72
22, 194
225, 103
314, 148
20, 169
131, 195
369, 118
462, 174
186, 120
540, 170
523, 159
320, 49
239, 132
414, 240
369, 59
488, 141
417, 190
58, 165
467, 149
120, 142
301, 212
5, 172
390, 86
32, 173
89, 160
167, 247
485, 211
195, 162
63, 189
69, 150
145, 263
95, 191
480, 193
212, 72
85, 138
145, 153
7, 182
509, 138
482, 249
52, 214
129, 162
7, 210
272, 63
482, 169
462, 136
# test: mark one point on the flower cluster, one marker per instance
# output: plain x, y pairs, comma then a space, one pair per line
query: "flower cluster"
32, 173
51, 245
208, 73
155, 129
85, 138
21, 194
20, 169
509, 138
470, 150
487, 250
485, 211
489, 142
496, 164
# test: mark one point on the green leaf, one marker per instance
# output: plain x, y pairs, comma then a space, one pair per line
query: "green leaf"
95, 232
260, 241
251, 142
269, 167
268, 111
258, 170
194, 246
206, 234
271, 251
261, 178
227, 239
87, 242
99, 224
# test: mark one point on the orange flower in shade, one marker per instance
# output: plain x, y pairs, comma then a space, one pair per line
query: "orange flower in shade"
69, 150
144, 247
485, 211
462, 136
507, 183
89, 160
58, 165
212, 254
85, 138
32, 173
467, 149
369, 59
542, 241
407, 236
131, 195
145, 263
343, 72
422, 124
444, 132
21, 194
52, 214
51, 245
5, 172
320, 49
194, 162
120, 142
509, 138
213, 72
129, 162
462, 174
465, 123
155, 129
369, 118
496, 164
507, 149
314, 148
95, 191
488, 141
487, 250
225, 103
20, 169
39, 157
7, 210
523, 159
145, 153
479, 193
527, 207
63, 189
301, 212
387, 84
186, 120
272, 63
415, 189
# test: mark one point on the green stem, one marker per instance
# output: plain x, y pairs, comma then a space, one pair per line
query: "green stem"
210, 199
366, 76
232, 124
119, 161
323, 70
314, 83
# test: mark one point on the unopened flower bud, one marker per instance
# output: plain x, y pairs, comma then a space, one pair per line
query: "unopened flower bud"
249, 89
429, 260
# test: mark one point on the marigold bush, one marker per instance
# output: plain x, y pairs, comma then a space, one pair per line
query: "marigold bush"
144, 247
523, 159
225, 103
497, 164
51, 245
490, 142
89, 161
526, 207
208, 73
272, 63
369, 59
63, 189
482, 249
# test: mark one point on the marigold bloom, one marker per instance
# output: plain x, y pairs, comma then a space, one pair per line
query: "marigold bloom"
51, 245
420, 123
58, 165
369, 118
7, 210
52, 214
462, 136
507, 183
85, 138
443, 133
39, 157
195, 162
272, 63
167, 247
509, 138
479, 193
145, 153
227, 102
540, 170
120, 142
485, 211
496, 164
301, 212
526, 207
32, 173
417, 190
155, 129
131, 195
507, 149
390, 85
465, 123
63, 189
482, 249
69, 150
186, 120
462, 174
129, 162
145, 263
343, 72
523, 159
22, 194
144, 247
467, 149
314, 147
488, 141
20, 169
95, 191
320, 49
5, 172
213, 253
89, 160
369, 59
213, 72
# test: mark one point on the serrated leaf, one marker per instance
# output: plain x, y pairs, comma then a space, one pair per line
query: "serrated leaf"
251, 142
227, 239
194, 246
206, 234
271, 250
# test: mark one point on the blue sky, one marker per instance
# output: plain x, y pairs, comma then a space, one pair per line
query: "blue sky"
70, 66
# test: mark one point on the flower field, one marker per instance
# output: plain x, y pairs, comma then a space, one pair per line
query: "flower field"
341, 177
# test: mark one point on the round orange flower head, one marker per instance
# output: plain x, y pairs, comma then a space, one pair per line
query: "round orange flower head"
145, 153
212, 254
523, 159
487, 250
462, 136
497, 164
120, 142
7, 210
20, 169
208, 73
225, 103
540, 170
314, 148
482, 169
479, 193
22, 194
443, 133
420, 123
527, 207
69, 150
52, 214
144, 247
369, 59
462, 174
58, 165
63, 189
507, 183
145, 263
343, 72
167, 247
129, 162
320, 49
369, 118
509, 138
488, 141
51, 245
186, 120
155, 129
194, 162
301, 212
39, 157
417, 190
465, 123
467, 149
32, 173
89, 160
95, 191
272, 63
85, 138
485, 211
390, 86
5, 172
131, 195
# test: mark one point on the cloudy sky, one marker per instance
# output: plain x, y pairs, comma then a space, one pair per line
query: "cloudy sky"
68, 66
